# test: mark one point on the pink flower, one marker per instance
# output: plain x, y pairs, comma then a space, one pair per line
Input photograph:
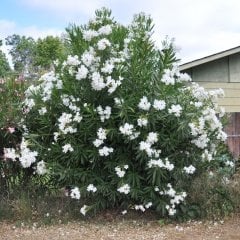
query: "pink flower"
11, 129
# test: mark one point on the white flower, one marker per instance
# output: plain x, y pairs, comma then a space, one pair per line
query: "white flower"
118, 101
120, 172
229, 163
105, 151
75, 193
77, 118
88, 58
159, 104
64, 121
42, 111
146, 146
124, 189
113, 84
82, 73
152, 138
126, 166
55, 136
190, 169
29, 103
198, 104
201, 141
41, 168
67, 148
10, 153
159, 163
184, 77
84, 210
222, 136
91, 188
72, 60
170, 192
124, 212
97, 82
104, 113
103, 43
107, 68
27, 157
105, 30
171, 211
144, 104
97, 142
101, 133
168, 80
126, 129
59, 84
206, 155
89, 34
139, 207
176, 110
142, 122
134, 135
148, 205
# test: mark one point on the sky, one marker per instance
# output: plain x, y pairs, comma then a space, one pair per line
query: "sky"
200, 28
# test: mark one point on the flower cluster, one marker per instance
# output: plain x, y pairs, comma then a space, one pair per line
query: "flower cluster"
101, 133
104, 113
146, 146
173, 76
176, 198
190, 169
176, 110
25, 156
129, 131
67, 148
124, 189
75, 193
144, 104
88, 35
159, 163
105, 151
121, 171
91, 188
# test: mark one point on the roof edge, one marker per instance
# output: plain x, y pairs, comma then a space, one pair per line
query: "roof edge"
209, 58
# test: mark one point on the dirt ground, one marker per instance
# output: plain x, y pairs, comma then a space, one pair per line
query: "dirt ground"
227, 229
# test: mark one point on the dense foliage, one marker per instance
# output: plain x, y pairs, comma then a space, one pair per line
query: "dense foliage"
118, 123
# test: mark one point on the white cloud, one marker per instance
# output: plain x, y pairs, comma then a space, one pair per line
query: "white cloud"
199, 27
68, 10
8, 28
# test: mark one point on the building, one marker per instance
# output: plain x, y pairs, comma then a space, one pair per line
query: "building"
222, 70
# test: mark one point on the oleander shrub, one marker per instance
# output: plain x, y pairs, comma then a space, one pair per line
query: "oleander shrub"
117, 124
11, 97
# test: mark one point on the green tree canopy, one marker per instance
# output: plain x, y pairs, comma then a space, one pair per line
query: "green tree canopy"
22, 52
47, 50
4, 64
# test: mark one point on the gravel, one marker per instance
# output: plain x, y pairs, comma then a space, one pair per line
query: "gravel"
227, 229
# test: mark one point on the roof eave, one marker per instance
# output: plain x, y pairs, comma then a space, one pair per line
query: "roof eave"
210, 58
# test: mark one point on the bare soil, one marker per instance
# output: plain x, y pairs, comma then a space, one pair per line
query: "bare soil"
124, 229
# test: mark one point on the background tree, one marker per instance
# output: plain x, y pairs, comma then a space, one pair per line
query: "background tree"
47, 50
22, 52
4, 64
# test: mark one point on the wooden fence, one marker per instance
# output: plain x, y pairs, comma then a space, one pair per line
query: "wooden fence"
233, 132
